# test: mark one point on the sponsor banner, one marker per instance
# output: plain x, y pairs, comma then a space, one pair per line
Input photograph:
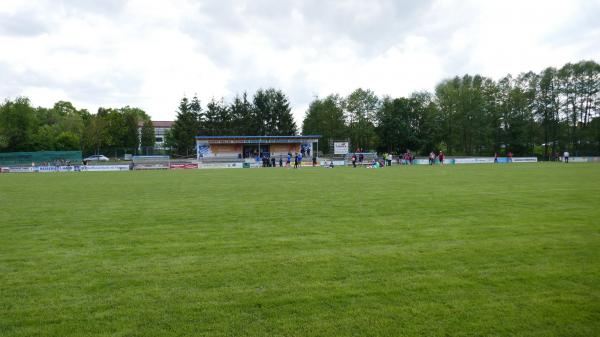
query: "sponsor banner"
524, 160
475, 160
174, 166
99, 168
4, 169
203, 149
156, 166
45, 169
223, 165
584, 159
20, 169
340, 148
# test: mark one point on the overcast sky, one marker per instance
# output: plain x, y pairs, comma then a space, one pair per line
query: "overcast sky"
149, 54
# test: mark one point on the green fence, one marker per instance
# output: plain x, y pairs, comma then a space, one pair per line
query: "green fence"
40, 158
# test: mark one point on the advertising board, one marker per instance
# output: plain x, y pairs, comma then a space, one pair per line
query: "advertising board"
474, 160
524, 160
183, 166
156, 166
100, 168
341, 148
24, 169
222, 165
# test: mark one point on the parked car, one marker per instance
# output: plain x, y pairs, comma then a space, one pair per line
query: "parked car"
96, 157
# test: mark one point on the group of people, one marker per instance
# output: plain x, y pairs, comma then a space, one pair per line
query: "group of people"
360, 158
270, 161
440, 157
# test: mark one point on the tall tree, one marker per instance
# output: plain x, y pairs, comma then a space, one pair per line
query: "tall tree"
242, 115
147, 138
17, 123
185, 128
325, 117
361, 107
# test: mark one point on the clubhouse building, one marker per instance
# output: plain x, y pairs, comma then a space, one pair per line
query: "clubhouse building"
241, 147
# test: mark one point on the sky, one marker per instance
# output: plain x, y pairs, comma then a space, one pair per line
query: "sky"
149, 54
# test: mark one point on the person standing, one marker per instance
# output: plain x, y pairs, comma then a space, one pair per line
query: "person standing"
509, 155
280, 161
496, 158
431, 158
289, 159
361, 157
441, 157
296, 161
354, 160
566, 157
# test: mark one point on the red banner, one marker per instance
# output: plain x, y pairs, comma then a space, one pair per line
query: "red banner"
183, 166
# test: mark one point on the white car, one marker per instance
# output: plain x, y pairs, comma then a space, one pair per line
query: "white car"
96, 157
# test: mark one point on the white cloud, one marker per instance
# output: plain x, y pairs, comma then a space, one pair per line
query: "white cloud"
150, 53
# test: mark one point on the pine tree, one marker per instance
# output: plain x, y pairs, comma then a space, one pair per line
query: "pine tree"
186, 127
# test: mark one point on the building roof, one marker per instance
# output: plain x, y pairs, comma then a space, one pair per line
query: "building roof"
162, 124
259, 137
159, 124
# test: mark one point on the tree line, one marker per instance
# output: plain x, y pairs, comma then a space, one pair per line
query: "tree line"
65, 128
528, 114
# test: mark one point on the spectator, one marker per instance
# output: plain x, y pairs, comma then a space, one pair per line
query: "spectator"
441, 157
354, 160
566, 157
431, 158
509, 155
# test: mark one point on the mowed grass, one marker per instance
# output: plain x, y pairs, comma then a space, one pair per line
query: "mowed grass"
472, 250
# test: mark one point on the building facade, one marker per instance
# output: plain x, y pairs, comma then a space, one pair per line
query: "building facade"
241, 147
160, 133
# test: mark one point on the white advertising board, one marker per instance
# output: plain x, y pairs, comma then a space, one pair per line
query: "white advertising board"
475, 160
524, 160
99, 168
221, 165
340, 148
20, 169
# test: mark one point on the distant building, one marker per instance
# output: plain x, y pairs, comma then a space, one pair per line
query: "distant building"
160, 132
239, 147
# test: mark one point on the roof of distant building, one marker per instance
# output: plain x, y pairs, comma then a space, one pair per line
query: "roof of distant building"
160, 124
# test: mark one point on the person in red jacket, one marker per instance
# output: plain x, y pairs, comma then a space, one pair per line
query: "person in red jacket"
441, 157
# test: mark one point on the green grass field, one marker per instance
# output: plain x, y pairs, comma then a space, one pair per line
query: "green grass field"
472, 250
